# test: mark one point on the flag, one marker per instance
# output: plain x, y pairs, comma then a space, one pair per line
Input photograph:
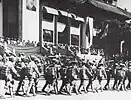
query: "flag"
89, 31
105, 31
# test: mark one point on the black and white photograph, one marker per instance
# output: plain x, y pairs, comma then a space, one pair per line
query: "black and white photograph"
31, 5
65, 49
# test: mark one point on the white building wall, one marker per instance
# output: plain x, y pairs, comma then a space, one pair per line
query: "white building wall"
30, 23
1, 19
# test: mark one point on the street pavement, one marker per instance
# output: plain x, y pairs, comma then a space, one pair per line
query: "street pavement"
105, 95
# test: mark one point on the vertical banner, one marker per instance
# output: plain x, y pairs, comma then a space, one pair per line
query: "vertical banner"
84, 37
89, 32
90, 35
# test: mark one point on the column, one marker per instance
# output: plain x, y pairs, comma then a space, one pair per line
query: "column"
20, 6
68, 31
40, 27
55, 32
79, 38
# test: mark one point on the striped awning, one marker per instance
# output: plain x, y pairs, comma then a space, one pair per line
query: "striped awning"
64, 13
50, 10
54, 11
71, 15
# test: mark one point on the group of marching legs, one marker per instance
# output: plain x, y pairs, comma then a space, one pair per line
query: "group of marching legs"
70, 75
69, 72
13, 69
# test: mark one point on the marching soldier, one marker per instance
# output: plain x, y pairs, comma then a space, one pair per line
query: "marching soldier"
51, 78
72, 75
64, 79
2, 78
101, 73
83, 76
10, 72
21, 67
91, 73
36, 77
109, 72
31, 71
129, 76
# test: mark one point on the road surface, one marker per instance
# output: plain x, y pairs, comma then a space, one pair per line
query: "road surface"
105, 95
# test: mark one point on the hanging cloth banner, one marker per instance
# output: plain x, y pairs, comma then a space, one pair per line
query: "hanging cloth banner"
89, 31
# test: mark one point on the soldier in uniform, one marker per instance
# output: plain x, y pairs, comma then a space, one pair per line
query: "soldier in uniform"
109, 72
63, 75
51, 78
10, 72
36, 77
129, 75
2, 78
83, 73
91, 73
21, 67
72, 75
121, 76
101, 73
31, 71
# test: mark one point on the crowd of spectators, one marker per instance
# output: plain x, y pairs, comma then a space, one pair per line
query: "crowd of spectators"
17, 42
52, 48
73, 48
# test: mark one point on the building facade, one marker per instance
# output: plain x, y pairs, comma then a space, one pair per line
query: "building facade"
50, 21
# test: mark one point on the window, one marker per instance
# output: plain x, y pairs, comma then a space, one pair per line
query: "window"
48, 17
48, 35
74, 39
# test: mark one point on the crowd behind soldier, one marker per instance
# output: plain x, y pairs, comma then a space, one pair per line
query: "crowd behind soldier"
68, 70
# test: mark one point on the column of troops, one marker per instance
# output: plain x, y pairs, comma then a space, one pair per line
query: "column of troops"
74, 73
